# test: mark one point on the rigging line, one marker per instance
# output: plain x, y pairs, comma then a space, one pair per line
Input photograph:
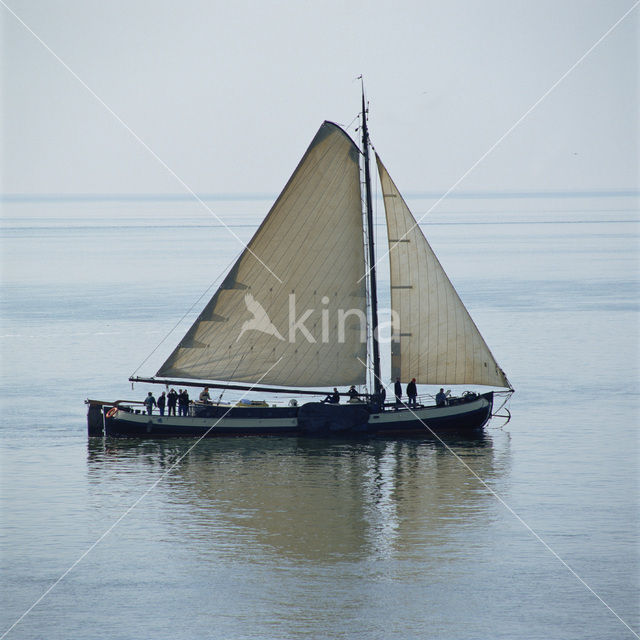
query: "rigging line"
519, 518
511, 128
240, 361
126, 512
136, 136
384, 386
507, 398
204, 293
347, 127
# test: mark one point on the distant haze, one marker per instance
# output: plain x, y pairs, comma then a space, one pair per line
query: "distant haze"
229, 95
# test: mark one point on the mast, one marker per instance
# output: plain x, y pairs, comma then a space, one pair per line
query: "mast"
372, 260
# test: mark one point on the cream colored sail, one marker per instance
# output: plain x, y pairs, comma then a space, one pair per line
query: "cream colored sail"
436, 341
280, 316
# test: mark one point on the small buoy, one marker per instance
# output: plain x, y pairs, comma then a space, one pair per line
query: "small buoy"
112, 412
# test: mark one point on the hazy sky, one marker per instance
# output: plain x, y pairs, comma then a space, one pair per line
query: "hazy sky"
229, 94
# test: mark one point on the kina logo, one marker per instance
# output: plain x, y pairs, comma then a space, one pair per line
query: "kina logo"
260, 321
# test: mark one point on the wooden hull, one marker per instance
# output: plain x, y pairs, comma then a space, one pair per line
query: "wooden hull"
464, 416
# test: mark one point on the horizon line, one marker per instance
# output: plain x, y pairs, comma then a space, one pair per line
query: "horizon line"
423, 195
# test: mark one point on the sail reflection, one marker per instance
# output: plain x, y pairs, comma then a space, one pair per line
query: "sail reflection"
314, 500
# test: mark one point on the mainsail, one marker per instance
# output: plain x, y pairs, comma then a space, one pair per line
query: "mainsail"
435, 340
307, 255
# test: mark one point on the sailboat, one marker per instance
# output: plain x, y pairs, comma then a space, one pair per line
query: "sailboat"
298, 313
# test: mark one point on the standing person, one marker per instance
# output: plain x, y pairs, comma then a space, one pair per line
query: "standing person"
172, 400
180, 401
162, 401
397, 389
412, 393
204, 395
150, 402
183, 403
185, 408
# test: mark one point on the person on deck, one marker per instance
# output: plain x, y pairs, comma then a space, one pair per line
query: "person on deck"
379, 398
333, 398
162, 401
204, 395
412, 393
183, 403
353, 393
397, 389
441, 398
150, 402
172, 401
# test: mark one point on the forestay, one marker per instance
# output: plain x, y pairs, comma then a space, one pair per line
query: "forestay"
311, 240
435, 340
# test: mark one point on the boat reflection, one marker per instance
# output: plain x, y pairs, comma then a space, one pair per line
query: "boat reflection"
313, 500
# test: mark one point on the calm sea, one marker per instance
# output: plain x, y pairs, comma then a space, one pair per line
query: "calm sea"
530, 532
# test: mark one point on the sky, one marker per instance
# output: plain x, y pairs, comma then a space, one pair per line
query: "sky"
228, 95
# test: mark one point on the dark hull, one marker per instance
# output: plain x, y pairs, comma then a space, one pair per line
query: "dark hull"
464, 416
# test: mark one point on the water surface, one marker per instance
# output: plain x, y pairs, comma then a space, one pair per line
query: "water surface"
302, 538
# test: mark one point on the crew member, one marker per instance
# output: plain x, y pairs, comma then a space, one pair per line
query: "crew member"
397, 389
441, 398
150, 402
412, 393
